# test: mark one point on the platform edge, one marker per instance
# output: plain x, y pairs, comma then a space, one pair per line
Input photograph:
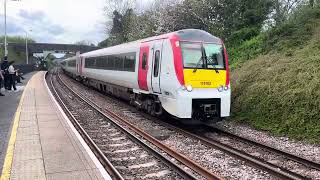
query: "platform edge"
99, 166
6, 169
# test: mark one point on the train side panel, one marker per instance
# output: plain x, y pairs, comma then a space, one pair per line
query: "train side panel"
120, 78
125, 79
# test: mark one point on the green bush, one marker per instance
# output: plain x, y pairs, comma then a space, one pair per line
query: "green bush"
294, 33
247, 50
278, 88
242, 35
247, 43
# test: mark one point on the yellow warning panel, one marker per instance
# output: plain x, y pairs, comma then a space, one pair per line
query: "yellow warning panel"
204, 78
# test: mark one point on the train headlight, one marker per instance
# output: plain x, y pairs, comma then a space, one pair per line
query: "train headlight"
226, 88
220, 88
177, 44
189, 88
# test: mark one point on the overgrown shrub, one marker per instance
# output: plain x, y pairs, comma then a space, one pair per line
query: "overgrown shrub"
247, 50
279, 90
292, 34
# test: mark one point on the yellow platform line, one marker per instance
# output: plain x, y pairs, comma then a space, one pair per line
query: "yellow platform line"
5, 175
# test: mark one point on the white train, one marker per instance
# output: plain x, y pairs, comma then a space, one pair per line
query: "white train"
185, 73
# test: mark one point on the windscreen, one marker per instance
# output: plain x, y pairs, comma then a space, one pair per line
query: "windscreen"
202, 56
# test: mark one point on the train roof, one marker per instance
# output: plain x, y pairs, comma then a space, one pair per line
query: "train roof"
197, 35
187, 35
69, 58
194, 35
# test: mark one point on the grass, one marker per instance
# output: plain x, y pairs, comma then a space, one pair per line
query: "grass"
18, 57
280, 91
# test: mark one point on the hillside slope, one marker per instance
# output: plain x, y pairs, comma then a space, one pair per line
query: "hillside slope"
280, 91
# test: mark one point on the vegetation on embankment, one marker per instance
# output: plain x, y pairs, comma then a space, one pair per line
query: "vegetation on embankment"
279, 90
273, 48
18, 57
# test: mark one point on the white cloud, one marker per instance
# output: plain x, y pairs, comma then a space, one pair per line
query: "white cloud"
56, 21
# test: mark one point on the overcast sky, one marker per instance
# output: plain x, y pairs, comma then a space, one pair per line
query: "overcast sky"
56, 21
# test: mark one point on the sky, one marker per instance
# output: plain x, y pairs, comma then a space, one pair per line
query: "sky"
56, 21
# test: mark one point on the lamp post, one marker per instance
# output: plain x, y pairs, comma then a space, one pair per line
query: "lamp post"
5, 28
27, 53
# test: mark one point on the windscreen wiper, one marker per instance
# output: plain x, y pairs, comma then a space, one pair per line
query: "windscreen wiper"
214, 67
203, 56
196, 68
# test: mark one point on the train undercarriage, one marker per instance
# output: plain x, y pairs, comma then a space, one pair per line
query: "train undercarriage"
204, 110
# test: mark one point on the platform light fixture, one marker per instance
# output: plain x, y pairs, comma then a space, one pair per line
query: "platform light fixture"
27, 52
5, 28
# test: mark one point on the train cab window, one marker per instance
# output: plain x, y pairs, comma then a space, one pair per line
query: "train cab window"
215, 56
144, 61
156, 63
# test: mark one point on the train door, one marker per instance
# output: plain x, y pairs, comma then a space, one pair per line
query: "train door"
156, 61
81, 65
143, 67
78, 63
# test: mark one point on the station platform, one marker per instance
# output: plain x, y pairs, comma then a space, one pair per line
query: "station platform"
8, 107
43, 143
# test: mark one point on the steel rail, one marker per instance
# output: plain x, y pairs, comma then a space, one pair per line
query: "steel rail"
198, 169
113, 172
273, 169
277, 171
254, 161
290, 156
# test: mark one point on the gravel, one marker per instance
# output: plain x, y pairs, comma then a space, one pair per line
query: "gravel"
214, 160
298, 148
99, 129
266, 155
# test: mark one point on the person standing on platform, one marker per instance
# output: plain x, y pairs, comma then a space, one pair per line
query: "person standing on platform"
1, 80
6, 76
12, 75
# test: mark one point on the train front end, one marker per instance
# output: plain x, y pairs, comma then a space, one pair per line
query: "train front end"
206, 93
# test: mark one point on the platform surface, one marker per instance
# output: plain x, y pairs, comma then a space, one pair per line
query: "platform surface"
8, 107
45, 146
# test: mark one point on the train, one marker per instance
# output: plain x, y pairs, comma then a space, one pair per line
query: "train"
184, 74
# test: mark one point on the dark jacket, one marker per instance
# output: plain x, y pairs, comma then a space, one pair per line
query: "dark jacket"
4, 65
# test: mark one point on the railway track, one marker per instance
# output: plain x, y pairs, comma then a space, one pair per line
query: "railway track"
254, 161
275, 170
300, 160
99, 154
155, 166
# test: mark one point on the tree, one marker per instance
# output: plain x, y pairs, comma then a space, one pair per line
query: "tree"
283, 8
85, 42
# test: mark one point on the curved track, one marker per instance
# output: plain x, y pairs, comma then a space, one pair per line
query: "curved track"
99, 154
124, 125
287, 155
259, 163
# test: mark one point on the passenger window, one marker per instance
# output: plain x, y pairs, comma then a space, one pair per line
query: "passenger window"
118, 63
156, 64
111, 62
129, 63
144, 61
